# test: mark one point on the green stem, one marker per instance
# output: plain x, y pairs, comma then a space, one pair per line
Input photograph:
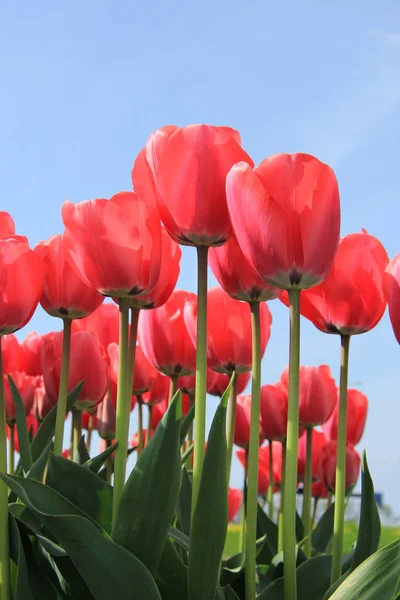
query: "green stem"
329, 500
292, 438
314, 513
282, 499
109, 464
173, 386
4, 541
201, 372
63, 390
271, 483
140, 426
340, 485
89, 433
124, 395
189, 462
77, 429
11, 453
252, 474
243, 518
307, 494
150, 414
231, 423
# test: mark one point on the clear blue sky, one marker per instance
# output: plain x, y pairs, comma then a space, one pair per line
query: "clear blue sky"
85, 83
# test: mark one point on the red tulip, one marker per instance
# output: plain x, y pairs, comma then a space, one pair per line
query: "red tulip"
350, 300
169, 273
65, 453
112, 356
30, 348
189, 167
263, 466
32, 425
159, 391
86, 416
87, 363
160, 409
235, 497
318, 490
241, 435
221, 381
318, 394
356, 416
318, 442
274, 409
26, 385
164, 338
286, 217
229, 345
22, 274
42, 403
235, 275
116, 243
103, 322
328, 465
391, 288
188, 383
66, 292
144, 374
106, 419
11, 353
7, 226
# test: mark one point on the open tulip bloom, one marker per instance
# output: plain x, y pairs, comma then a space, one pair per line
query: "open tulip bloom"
74, 525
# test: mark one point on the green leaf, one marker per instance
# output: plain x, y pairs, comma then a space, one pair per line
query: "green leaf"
47, 428
322, 534
22, 587
103, 472
186, 454
83, 454
29, 524
23, 436
183, 506
299, 528
265, 526
171, 576
95, 463
41, 585
374, 579
38, 467
369, 531
210, 518
179, 537
148, 501
83, 488
186, 423
229, 593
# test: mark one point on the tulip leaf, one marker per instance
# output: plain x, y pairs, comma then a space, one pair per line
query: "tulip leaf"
83, 454
102, 473
95, 463
22, 429
265, 526
186, 423
43, 583
183, 506
148, 501
22, 585
179, 537
229, 594
375, 578
369, 531
83, 488
38, 467
210, 518
322, 534
47, 428
171, 576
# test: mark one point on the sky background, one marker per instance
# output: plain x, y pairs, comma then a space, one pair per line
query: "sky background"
83, 84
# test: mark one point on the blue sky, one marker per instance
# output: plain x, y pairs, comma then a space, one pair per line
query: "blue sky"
85, 83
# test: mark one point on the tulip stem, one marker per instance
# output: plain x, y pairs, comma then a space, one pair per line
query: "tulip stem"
77, 429
340, 484
124, 395
140, 426
230, 432
109, 464
63, 390
280, 516
271, 482
149, 420
252, 474
244, 503
314, 513
306, 516
292, 438
4, 541
201, 372
189, 461
11, 449
89, 433
173, 386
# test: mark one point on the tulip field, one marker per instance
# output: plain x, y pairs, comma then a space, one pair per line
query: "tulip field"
79, 522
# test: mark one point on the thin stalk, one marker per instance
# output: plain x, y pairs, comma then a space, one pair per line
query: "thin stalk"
63, 390
243, 517
4, 549
89, 433
307, 494
282, 500
109, 464
201, 371
292, 438
173, 386
77, 433
149, 419
340, 485
252, 474
189, 462
140, 426
314, 512
230, 432
271, 483
71, 441
124, 394
11, 453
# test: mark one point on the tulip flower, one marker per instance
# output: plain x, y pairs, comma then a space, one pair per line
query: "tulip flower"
391, 288
217, 384
264, 466
42, 403
328, 465
158, 392
32, 425
26, 385
11, 353
103, 322
356, 416
30, 349
7, 226
318, 442
235, 497
242, 424
66, 293
319, 490
274, 406
105, 419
